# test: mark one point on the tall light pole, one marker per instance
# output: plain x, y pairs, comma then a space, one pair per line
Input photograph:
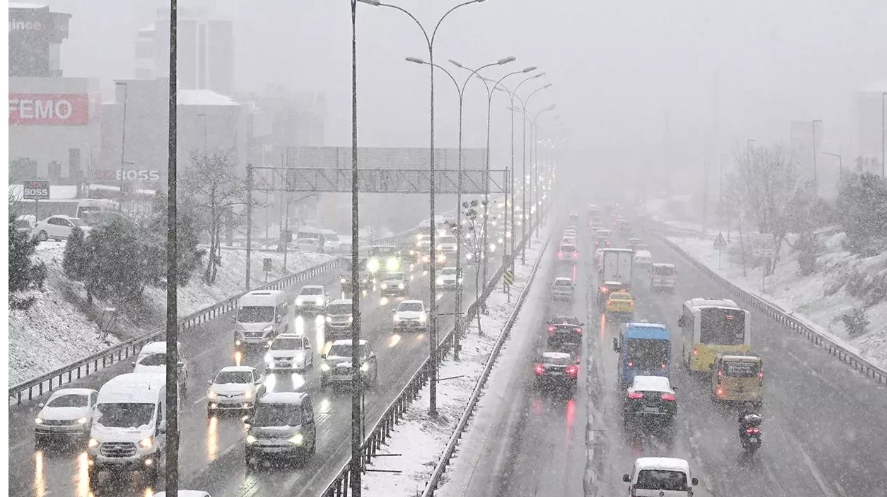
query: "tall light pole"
460, 89
535, 191
432, 409
123, 140
815, 176
840, 161
490, 92
356, 390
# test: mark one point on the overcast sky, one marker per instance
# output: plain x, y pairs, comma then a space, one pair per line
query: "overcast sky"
618, 67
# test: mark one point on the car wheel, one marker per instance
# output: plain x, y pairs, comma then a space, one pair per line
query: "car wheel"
41, 236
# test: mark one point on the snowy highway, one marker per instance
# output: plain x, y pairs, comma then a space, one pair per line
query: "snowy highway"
211, 456
824, 429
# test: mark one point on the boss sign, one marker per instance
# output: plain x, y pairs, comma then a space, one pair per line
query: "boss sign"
46, 109
134, 175
35, 190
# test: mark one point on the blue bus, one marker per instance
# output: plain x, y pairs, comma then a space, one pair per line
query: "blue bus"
644, 349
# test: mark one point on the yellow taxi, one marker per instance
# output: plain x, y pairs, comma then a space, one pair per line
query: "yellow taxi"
620, 304
738, 378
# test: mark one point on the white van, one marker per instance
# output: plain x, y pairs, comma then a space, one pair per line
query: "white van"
262, 315
662, 277
643, 263
152, 359
128, 430
660, 477
331, 243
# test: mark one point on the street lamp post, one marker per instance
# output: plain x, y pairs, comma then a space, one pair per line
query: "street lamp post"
123, 140
815, 176
460, 90
535, 191
840, 161
432, 409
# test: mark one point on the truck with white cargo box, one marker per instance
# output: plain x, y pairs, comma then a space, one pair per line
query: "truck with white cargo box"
615, 267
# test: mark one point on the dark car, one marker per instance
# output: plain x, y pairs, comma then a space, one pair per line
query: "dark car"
560, 326
650, 398
556, 369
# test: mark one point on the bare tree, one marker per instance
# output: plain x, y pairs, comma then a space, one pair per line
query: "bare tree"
216, 189
768, 180
472, 239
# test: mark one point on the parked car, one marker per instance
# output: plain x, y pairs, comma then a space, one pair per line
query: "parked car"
59, 228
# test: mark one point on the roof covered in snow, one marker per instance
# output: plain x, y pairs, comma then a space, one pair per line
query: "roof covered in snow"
203, 97
20, 5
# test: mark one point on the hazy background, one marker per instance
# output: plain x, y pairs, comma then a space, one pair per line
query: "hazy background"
621, 70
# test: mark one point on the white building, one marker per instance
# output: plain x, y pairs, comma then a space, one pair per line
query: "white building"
869, 114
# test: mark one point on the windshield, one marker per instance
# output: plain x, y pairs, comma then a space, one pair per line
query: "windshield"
124, 415
655, 479
410, 307
72, 400
338, 309
557, 361
308, 241
383, 251
562, 283
394, 276
722, 326
340, 350
22, 223
448, 271
286, 344
663, 270
153, 360
567, 248
238, 377
647, 354
77, 222
447, 239
741, 369
255, 314
278, 415
311, 291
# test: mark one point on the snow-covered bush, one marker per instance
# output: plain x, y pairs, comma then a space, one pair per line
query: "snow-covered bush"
809, 248
856, 322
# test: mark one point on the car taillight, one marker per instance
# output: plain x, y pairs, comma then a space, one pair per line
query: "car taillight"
695, 351
575, 255
662, 365
719, 391
630, 364
753, 431
572, 370
578, 330
552, 329
635, 395
761, 377
559, 253
669, 397
540, 369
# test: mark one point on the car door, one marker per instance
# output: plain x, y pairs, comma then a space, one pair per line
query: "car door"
64, 227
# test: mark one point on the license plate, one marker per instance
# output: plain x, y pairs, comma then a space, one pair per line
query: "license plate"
651, 410
753, 440
557, 373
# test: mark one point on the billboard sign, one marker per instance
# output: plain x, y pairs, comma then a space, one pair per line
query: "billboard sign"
35, 190
48, 109
137, 175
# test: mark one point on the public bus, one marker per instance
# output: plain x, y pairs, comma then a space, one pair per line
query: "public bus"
710, 327
644, 349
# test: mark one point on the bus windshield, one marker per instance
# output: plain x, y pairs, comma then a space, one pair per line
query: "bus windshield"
722, 326
647, 354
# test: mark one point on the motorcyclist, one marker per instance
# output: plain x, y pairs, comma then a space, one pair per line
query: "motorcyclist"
748, 418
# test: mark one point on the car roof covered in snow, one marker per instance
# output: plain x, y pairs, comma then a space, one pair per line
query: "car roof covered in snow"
651, 384
666, 463
563, 279
133, 388
71, 391
556, 355
341, 302
347, 341
283, 398
235, 369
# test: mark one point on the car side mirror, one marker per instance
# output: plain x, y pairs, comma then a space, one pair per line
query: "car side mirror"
161, 428
323, 356
209, 382
41, 405
233, 319
307, 346
681, 321
581, 324
694, 481
246, 419
259, 380
626, 478
674, 388
133, 363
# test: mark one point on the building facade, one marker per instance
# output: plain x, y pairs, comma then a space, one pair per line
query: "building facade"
869, 116
35, 37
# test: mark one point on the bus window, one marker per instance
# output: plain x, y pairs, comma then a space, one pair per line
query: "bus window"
722, 327
646, 354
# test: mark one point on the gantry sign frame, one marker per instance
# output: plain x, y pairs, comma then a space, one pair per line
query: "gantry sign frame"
324, 180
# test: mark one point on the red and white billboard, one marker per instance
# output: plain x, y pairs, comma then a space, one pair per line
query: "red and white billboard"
48, 109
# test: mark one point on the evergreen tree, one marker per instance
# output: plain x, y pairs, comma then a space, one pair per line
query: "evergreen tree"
24, 274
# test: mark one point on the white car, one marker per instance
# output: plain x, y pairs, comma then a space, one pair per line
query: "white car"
660, 477
152, 359
411, 315
234, 388
66, 415
312, 299
448, 278
289, 352
59, 228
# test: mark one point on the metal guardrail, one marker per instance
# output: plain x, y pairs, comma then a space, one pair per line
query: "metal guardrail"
48, 382
450, 449
820, 340
381, 430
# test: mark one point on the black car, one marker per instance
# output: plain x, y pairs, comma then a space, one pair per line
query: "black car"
556, 369
650, 398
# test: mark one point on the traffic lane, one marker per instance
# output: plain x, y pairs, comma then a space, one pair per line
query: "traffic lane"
207, 353
548, 452
825, 410
395, 368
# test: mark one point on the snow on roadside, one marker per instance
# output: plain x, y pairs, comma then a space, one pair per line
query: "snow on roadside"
805, 296
421, 439
57, 331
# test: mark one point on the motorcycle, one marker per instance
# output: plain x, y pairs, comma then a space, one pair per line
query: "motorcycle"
752, 440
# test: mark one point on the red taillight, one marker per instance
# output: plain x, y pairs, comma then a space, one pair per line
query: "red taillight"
695, 351
572, 370
761, 376
669, 397
552, 329
578, 330
540, 369
575, 255
630, 364
753, 431
559, 253
635, 395
662, 365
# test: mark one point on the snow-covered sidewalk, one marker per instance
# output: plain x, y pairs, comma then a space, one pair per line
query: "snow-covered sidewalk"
422, 439
819, 299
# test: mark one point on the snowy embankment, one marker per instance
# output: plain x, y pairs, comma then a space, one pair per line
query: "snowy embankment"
819, 299
61, 328
421, 439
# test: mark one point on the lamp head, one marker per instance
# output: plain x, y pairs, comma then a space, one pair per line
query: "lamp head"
457, 64
415, 60
506, 60
529, 69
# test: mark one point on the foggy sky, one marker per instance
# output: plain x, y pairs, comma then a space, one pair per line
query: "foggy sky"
617, 66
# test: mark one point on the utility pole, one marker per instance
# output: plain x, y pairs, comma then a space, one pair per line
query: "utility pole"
815, 177
705, 196
249, 222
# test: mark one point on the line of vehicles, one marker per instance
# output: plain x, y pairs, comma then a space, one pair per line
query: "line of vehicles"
714, 343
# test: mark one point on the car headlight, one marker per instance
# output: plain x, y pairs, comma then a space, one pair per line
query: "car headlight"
250, 439
211, 395
268, 359
38, 421
350, 319
268, 329
93, 443
365, 367
324, 367
342, 281
82, 421
384, 286
146, 443
440, 281
400, 286
297, 439
329, 319
247, 394
396, 319
237, 342
423, 318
